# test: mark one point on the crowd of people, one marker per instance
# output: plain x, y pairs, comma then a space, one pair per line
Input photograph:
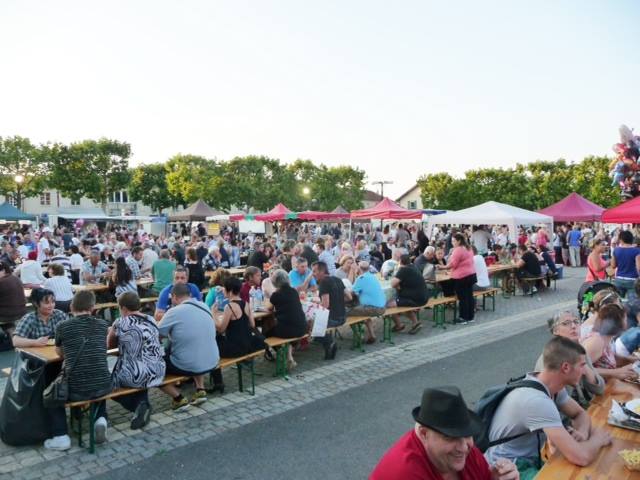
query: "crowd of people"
189, 332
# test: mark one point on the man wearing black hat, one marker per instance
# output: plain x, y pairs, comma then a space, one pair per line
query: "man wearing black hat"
440, 447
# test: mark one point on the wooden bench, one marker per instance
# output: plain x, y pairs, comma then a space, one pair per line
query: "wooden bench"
530, 281
282, 352
99, 307
489, 292
91, 407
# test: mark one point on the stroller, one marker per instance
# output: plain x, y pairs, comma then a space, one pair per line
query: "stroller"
586, 293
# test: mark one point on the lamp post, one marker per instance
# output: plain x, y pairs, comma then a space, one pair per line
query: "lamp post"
19, 179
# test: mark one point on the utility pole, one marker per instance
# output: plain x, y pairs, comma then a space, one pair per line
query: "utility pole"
382, 183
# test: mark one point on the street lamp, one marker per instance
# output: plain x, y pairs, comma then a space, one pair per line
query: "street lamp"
306, 190
19, 179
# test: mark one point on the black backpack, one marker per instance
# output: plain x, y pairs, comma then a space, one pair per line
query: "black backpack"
489, 403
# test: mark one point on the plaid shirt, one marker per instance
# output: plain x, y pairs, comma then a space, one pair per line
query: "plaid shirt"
87, 267
132, 263
30, 326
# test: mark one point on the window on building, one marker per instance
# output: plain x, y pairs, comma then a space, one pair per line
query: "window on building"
75, 203
412, 204
119, 197
45, 198
13, 200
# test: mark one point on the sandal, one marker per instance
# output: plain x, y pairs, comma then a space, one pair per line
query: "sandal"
397, 329
415, 329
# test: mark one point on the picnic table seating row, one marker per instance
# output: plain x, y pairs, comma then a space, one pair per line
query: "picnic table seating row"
246, 362
531, 281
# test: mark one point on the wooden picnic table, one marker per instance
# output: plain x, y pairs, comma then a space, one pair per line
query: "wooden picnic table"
444, 275
608, 464
98, 287
235, 271
46, 354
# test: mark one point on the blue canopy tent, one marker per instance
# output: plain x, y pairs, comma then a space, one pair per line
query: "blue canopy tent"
11, 214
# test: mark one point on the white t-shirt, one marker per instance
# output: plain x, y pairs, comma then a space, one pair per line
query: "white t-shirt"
480, 239
76, 261
482, 273
61, 288
24, 251
149, 256
43, 244
524, 410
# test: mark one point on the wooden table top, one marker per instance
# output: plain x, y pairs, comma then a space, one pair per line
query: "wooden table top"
97, 287
444, 275
46, 354
235, 271
608, 464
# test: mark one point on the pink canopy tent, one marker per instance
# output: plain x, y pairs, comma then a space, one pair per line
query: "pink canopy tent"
311, 215
387, 209
277, 213
574, 208
627, 212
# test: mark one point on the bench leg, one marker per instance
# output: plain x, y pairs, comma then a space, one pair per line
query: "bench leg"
358, 333
281, 361
386, 330
93, 413
493, 302
80, 440
439, 313
240, 383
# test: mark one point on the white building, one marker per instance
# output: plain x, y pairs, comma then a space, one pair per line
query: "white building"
411, 198
52, 204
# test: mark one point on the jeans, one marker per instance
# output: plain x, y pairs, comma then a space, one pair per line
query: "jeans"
58, 418
574, 256
626, 288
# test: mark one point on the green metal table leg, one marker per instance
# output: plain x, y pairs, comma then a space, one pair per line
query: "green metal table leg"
240, 382
93, 412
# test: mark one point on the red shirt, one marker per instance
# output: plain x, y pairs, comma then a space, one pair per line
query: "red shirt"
408, 460
244, 291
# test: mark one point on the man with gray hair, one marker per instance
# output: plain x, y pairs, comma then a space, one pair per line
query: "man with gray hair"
370, 297
428, 257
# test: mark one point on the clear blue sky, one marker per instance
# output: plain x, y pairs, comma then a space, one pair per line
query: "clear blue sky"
398, 89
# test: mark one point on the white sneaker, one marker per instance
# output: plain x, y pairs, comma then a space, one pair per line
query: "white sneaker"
100, 428
61, 442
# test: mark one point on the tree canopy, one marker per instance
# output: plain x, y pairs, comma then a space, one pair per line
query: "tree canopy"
532, 186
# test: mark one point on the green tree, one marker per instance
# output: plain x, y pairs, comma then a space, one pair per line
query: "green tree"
91, 168
149, 185
341, 185
548, 181
191, 177
438, 190
24, 170
591, 180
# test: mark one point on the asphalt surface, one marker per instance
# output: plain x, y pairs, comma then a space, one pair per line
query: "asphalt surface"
341, 436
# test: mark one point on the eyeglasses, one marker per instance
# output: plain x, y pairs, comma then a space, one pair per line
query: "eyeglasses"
569, 323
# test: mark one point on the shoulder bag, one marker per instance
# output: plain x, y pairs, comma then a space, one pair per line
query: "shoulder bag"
57, 392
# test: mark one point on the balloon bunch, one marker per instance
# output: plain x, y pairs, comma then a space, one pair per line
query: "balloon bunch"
624, 168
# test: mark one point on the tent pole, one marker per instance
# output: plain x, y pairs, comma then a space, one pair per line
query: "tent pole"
350, 228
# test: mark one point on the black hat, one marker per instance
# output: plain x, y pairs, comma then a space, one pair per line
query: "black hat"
443, 409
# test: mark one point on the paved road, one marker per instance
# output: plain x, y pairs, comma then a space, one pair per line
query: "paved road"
341, 436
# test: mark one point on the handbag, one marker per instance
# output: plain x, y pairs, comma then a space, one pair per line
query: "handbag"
57, 392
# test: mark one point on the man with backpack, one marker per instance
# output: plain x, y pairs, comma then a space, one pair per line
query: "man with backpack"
520, 415
440, 446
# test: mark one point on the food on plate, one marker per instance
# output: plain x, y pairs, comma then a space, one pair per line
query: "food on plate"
631, 459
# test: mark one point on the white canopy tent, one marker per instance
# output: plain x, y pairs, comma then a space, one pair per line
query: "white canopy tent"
492, 213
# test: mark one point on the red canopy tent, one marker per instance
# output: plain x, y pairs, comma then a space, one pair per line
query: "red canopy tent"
627, 212
277, 213
311, 215
387, 209
574, 208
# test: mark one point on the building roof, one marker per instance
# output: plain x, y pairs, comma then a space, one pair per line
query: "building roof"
370, 196
407, 192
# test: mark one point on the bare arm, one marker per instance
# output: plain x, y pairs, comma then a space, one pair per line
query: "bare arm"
580, 419
20, 342
249, 312
159, 313
578, 453
112, 338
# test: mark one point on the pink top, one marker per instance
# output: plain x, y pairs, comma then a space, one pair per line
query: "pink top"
461, 262
542, 239
608, 358
600, 275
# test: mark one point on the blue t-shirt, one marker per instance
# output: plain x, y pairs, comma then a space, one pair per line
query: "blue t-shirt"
574, 238
295, 279
164, 299
631, 339
369, 291
626, 261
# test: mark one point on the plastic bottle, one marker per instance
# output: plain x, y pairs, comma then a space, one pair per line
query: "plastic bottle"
258, 299
252, 299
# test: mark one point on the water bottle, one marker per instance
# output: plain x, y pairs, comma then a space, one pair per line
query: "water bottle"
252, 299
258, 299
